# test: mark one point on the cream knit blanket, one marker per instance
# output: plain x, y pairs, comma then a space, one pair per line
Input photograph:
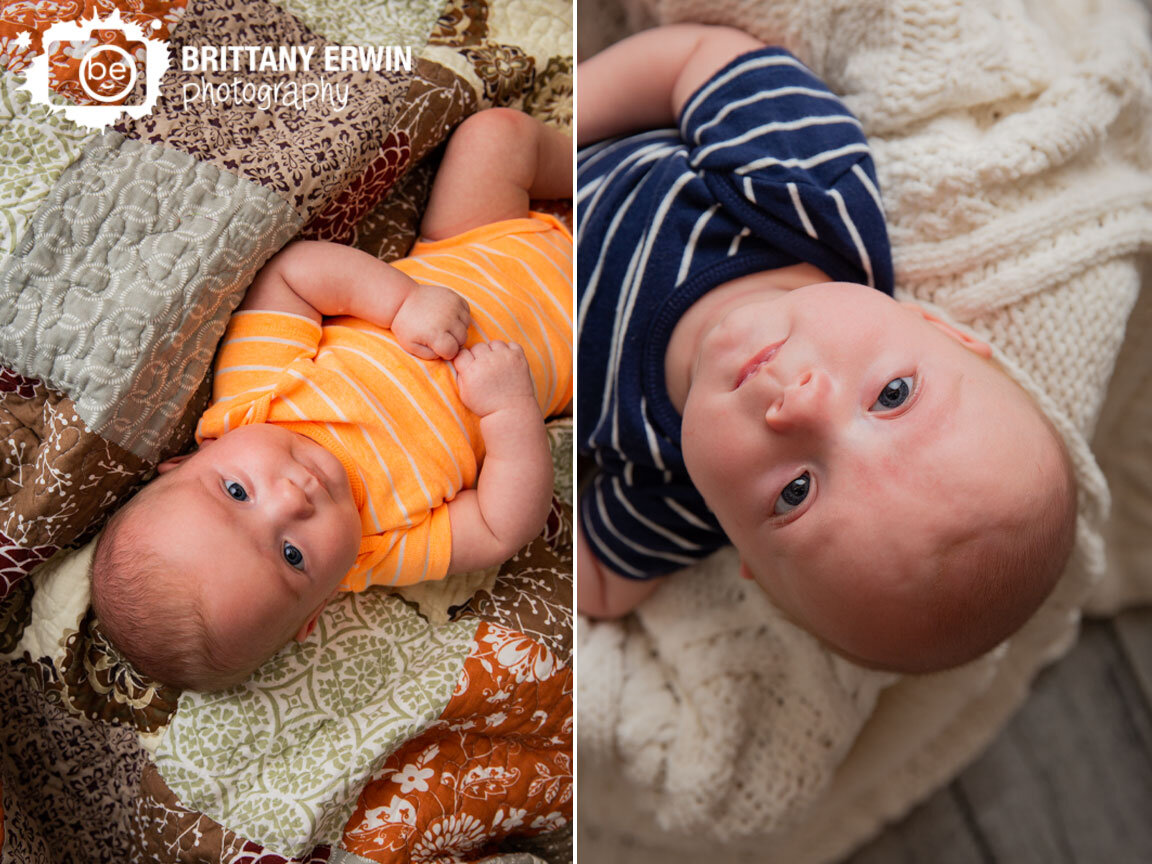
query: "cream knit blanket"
1013, 142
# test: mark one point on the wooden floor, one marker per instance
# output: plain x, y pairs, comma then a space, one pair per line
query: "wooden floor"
1069, 781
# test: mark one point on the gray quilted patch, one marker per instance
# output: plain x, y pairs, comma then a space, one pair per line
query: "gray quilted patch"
119, 290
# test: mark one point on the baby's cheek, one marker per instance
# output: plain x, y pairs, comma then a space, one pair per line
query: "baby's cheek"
711, 457
351, 541
770, 575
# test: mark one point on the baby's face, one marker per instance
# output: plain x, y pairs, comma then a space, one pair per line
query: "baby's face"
265, 520
837, 433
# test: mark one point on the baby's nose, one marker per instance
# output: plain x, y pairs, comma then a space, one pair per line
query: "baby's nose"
802, 405
292, 498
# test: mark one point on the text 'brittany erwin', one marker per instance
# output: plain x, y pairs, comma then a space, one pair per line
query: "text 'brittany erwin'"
293, 58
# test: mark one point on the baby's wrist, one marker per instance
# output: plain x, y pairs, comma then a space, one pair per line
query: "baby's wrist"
406, 288
513, 410
516, 433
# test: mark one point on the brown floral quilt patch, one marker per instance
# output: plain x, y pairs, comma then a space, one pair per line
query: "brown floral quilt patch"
199, 193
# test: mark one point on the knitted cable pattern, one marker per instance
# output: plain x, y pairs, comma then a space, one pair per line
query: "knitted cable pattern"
1013, 143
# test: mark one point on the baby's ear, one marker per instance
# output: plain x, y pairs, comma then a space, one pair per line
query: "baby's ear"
968, 341
168, 464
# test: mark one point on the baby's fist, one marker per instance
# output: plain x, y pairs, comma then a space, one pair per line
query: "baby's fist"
493, 375
432, 322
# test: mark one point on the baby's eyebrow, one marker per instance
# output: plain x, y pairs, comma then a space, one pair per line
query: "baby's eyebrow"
214, 492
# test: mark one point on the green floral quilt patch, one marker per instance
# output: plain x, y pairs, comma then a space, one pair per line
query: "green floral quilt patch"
281, 759
36, 145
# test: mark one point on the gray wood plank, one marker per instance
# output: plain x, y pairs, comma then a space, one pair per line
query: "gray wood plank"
937, 832
1071, 779
1068, 782
1134, 629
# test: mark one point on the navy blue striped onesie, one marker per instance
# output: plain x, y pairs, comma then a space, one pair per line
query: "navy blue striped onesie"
767, 169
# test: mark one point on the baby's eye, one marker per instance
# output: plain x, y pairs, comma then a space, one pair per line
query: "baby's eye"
293, 556
894, 394
793, 495
235, 490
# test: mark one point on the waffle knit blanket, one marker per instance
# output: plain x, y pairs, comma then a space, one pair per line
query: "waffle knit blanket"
1013, 142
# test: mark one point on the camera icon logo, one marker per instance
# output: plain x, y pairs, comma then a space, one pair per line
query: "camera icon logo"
108, 73
119, 80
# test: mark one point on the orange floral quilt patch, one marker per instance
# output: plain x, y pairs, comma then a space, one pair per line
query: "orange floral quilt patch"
499, 761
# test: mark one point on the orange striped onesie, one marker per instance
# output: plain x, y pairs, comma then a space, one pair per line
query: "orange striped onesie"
396, 422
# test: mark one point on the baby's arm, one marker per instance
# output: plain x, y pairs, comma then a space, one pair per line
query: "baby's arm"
314, 279
642, 82
495, 162
603, 593
513, 492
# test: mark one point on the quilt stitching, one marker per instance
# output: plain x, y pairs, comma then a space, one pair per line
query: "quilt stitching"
494, 763
36, 145
307, 156
310, 725
334, 175
107, 296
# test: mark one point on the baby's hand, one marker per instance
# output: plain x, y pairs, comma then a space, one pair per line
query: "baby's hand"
513, 490
492, 376
432, 322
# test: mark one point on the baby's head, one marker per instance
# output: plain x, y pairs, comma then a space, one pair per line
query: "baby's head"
227, 555
888, 485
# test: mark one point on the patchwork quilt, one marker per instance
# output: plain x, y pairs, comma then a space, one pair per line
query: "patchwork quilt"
391, 735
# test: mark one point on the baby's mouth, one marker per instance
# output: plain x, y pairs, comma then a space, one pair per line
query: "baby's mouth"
314, 470
759, 359
316, 475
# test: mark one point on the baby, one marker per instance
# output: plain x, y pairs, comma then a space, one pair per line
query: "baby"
746, 376
342, 450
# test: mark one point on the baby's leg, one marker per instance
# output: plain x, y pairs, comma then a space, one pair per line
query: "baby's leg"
495, 162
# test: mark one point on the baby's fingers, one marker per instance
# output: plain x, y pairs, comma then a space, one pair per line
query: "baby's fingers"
459, 328
418, 349
510, 352
448, 343
445, 345
463, 360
